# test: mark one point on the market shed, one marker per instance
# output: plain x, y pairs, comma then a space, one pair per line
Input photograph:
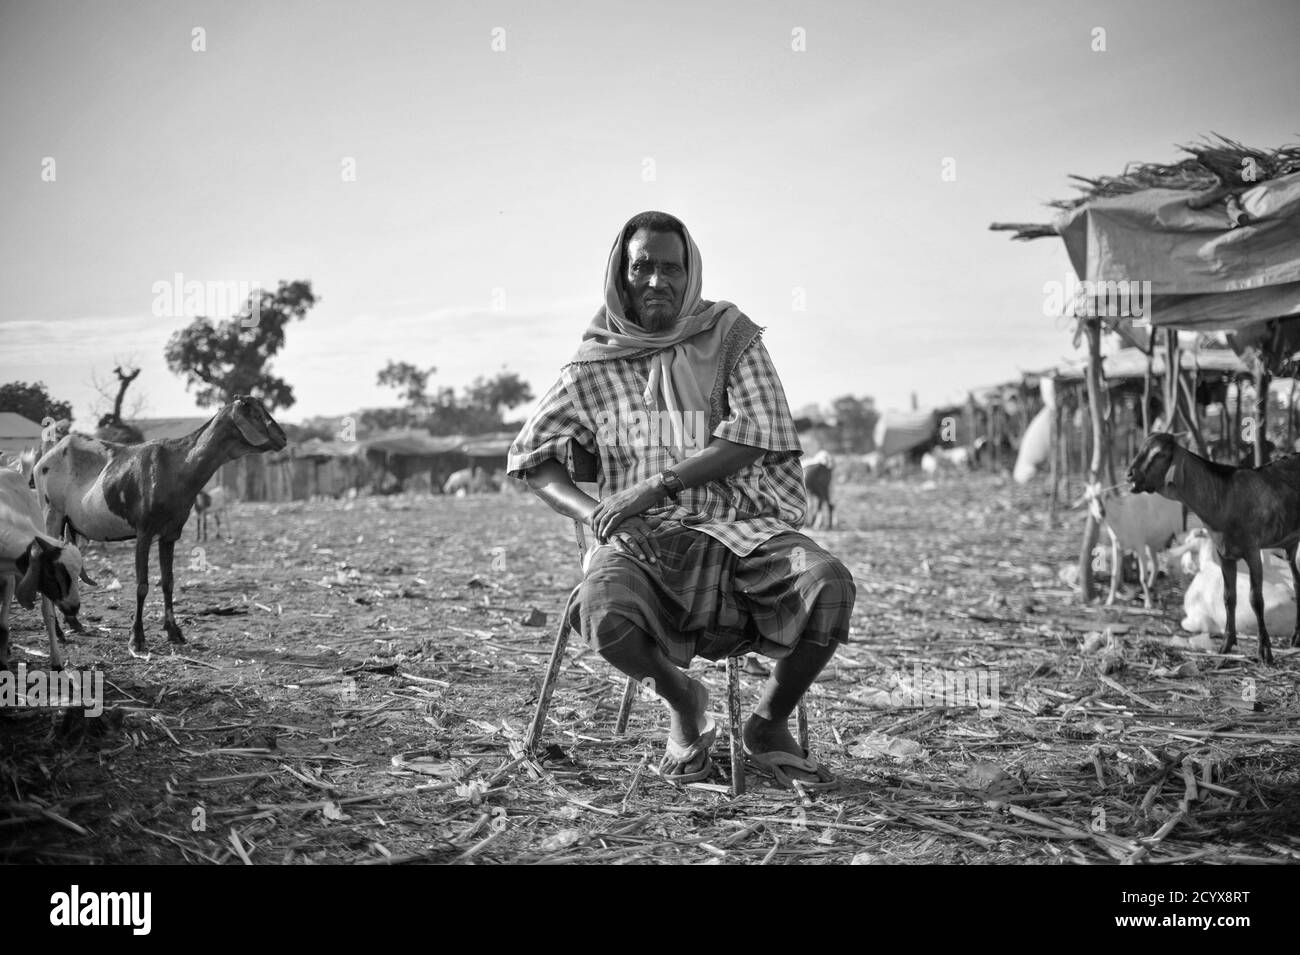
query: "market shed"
1208, 244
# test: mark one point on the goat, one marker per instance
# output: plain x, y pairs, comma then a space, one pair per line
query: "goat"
1203, 602
1141, 526
115, 492
817, 479
24, 462
52, 432
1245, 510
212, 502
32, 562
469, 481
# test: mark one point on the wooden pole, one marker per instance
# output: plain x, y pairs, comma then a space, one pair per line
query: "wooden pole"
1236, 422
1262, 380
989, 444
1055, 454
1290, 420
1095, 466
1067, 420
970, 421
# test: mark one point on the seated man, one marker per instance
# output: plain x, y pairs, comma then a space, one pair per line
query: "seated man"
701, 497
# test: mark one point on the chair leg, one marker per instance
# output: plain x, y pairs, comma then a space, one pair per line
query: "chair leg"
548, 685
625, 706
801, 720
733, 716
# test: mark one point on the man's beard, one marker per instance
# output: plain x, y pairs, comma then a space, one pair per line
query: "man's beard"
653, 325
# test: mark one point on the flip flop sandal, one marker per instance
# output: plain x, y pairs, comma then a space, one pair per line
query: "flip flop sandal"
775, 764
678, 755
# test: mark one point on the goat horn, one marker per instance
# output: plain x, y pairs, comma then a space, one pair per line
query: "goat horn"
86, 579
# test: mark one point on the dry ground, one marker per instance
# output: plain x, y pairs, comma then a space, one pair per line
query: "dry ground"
359, 675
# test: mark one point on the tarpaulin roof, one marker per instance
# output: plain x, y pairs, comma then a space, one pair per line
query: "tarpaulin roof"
899, 431
1205, 273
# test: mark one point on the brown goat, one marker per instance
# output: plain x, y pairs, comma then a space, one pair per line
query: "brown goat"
114, 492
1246, 510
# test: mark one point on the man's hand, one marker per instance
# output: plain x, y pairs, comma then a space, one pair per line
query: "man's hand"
616, 508
636, 536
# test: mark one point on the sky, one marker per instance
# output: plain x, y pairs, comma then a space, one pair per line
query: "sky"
450, 176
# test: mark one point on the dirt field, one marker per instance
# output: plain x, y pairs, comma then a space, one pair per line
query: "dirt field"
358, 677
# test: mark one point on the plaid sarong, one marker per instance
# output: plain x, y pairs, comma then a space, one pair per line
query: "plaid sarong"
701, 599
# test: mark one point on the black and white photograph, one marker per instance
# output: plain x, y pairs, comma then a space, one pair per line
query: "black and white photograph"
603, 434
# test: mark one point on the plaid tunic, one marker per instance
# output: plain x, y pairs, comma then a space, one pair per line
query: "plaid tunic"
742, 510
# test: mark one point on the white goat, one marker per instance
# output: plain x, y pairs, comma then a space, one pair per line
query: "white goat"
115, 492
1141, 524
467, 481
1203, 603
33, 562
21, 461
214, 502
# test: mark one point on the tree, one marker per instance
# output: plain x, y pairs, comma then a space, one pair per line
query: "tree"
498, 394
111, 426
387, 419
477, 409
232, 357
856, 419
32, 402
404, 375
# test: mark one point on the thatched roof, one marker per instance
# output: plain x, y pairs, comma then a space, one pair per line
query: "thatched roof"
1130, 363
1217, 168
413, 443
325, 450
489, 445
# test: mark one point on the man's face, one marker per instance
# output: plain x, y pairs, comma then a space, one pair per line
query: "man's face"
656, 278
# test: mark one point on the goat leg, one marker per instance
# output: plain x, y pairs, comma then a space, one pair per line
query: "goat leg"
1256, 565
52, 630
1295, 590
56, 525
142, 543
1229, 568
1116, 565
1143, 556
166, 549
7, 586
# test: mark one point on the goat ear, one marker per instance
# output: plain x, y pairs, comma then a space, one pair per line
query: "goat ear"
87, 579
29, 561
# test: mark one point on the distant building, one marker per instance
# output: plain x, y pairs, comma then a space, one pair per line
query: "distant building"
18, 433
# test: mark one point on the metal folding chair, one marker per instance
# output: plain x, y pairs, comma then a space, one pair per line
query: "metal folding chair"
583, 469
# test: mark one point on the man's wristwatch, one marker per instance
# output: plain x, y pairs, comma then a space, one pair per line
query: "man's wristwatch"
672, 484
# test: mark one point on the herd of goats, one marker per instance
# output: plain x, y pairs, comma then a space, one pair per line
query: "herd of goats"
84, 487
102, 491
